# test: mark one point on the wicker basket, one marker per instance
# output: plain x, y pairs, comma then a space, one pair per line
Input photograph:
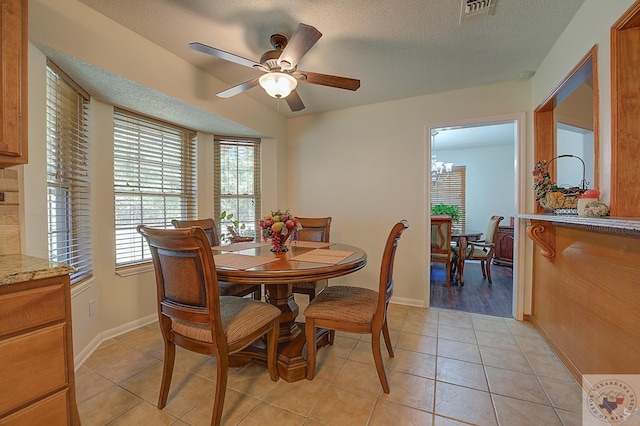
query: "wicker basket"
564, 200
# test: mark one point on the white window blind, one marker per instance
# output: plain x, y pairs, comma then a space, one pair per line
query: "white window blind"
451, 189
154, 180
237, 182
68, 184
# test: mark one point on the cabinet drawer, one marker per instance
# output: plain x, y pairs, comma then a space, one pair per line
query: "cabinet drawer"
26, 309
50, 411
33, 365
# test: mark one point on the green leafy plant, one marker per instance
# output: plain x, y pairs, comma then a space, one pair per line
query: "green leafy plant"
235, 228
446, 209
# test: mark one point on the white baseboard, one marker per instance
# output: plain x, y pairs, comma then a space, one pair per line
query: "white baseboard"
419, 303
110, 334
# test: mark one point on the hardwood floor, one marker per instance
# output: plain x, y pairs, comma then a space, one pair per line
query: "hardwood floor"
477, 295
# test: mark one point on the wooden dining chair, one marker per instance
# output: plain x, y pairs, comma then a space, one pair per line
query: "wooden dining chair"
356, 310
211, 231
194, 316
441, 242
313, 229
482, 250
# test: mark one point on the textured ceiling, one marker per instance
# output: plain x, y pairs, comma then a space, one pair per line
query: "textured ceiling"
398, 49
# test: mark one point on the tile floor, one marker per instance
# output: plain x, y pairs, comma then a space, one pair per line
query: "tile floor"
450, 368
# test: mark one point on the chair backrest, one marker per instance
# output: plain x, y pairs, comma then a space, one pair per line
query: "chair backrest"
385, 289
186, 280
314, 229
492, 230
207, 225
441, 234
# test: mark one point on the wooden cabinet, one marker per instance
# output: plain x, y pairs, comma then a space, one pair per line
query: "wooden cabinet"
504, 246
36, 350
13, 82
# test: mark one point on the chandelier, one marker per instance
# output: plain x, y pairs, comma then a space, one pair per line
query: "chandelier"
439, 169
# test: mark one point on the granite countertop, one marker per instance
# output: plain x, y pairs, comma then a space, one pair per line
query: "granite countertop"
15, 268
628, 226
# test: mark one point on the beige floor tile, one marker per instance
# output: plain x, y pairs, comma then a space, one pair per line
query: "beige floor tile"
461, 373
464, 404
298, 397
185, 393
209, 370
515, 412
421, 314
311, 422
108, 352
348, 407
563, 394
421, 327
521, 328
409, 390
90, 384
418, 343
394, 335
497, 340
549, 367
342, 346
516, 385
357, 376
253, 380
570, 418
107, 406
501, 358
388, 413
144, 414
146, 339
146, 383
443, 421
236, 406
487, 323
459, 350
125, 365
395, 323
455, 318
190, 360
416, 363
396, 310
364, 353
275, 415
535, 346
459, 334
327, 365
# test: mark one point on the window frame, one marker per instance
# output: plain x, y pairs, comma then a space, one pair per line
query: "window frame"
68, 176
154, 180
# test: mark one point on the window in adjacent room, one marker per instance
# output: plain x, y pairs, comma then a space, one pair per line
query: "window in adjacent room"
452, 190
68, 184
154, 180
237, 182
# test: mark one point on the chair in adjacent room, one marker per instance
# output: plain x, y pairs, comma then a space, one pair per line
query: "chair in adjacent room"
482, 250
441, 242
356, 310
313, 229
210, 230
195, 317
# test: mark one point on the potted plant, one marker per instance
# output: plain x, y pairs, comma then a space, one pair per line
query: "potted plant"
446, 209
234, 227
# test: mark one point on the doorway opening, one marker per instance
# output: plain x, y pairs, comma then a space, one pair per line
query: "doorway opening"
474, 172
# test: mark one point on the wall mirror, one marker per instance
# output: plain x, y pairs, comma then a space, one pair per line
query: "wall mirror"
567, 123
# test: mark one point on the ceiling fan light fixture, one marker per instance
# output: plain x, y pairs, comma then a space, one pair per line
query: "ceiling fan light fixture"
278, 84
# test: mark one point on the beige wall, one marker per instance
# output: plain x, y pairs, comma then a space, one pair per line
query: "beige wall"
366, 167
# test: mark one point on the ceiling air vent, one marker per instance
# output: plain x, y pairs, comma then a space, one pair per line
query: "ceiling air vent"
473, 8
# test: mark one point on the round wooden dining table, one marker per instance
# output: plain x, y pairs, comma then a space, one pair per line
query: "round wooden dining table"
278, 276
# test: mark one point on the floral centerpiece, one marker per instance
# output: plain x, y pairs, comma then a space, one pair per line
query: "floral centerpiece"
278, 226
541, 180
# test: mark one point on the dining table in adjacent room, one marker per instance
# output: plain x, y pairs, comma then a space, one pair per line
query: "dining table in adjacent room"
305, 261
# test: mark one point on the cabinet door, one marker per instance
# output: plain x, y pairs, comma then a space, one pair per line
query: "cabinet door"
13, 82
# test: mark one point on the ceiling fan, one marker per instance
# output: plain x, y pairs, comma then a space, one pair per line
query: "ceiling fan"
280, 67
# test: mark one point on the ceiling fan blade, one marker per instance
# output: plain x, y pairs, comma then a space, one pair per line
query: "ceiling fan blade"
224, 55
330, 80
294, 101
236, 90
301, 41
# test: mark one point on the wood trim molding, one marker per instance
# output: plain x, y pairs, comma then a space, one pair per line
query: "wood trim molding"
544, 235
